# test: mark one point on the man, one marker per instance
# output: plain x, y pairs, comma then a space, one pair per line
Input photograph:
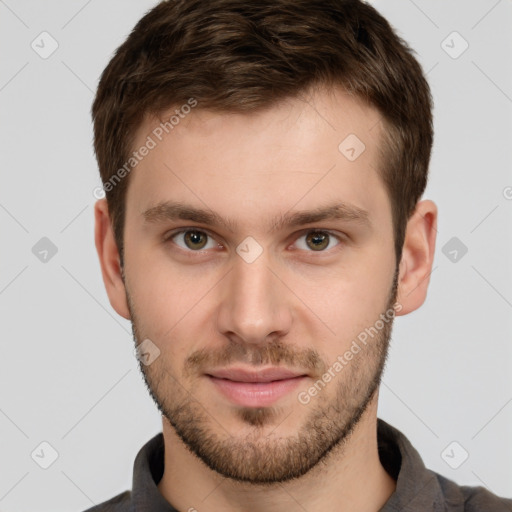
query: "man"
263, 165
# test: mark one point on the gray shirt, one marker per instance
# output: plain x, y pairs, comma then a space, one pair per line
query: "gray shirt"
418, 489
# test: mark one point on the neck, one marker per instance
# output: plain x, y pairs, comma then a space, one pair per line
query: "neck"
350, 478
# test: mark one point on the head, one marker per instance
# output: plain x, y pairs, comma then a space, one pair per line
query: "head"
263, 165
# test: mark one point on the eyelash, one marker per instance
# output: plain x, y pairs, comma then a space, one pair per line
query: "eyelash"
170, 236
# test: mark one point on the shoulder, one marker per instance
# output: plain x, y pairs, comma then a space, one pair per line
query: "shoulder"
119, 503
472, 499
478, 499
427, 489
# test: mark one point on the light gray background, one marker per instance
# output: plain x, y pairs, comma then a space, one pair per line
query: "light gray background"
68, 375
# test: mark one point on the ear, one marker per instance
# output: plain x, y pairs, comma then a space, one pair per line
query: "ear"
417, 257
109, 259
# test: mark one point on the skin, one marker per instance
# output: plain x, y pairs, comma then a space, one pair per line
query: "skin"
292, 307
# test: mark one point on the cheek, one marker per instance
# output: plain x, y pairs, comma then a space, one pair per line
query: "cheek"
174, 308
349, 299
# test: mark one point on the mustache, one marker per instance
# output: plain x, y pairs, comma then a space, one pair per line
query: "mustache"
275, 353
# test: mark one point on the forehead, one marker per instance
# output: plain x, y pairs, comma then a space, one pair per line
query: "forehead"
302, 153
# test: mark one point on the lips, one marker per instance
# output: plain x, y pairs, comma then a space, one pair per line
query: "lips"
251, 388
264, 375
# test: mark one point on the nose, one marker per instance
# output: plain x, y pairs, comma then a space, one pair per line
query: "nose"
255, 306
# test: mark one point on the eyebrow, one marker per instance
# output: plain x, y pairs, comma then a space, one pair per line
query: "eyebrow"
170, 210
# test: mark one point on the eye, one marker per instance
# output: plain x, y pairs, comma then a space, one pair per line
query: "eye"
193, 240
317, 240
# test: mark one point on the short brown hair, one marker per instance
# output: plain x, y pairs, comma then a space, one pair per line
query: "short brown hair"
245, 55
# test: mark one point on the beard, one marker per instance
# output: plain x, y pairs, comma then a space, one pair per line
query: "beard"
258, 457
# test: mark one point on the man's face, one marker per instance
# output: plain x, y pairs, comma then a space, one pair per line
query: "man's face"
248, 311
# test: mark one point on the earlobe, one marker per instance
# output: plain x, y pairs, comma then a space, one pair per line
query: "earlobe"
417, 257
108, 254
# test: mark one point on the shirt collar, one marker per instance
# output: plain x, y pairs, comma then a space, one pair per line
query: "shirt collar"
148, 469
417, 488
